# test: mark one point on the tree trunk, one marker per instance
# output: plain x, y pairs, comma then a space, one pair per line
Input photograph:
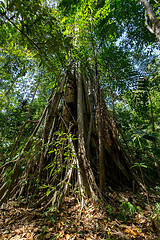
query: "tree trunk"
81, 141
102, 175
97, 148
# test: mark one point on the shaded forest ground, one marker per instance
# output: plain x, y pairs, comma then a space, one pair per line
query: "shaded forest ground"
124, 216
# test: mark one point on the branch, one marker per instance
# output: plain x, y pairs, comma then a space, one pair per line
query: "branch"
37, 48
157, 2
147, 25
10, 21
20, 135
152, 17
2, 168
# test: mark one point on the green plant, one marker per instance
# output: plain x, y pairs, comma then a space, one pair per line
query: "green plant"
129, 207
109, 209
126, 209
61, 157
139, 165
157, 188
156, 213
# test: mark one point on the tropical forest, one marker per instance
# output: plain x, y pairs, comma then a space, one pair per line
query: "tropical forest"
79, 119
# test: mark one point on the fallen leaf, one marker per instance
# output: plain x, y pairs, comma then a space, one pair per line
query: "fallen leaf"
132, 232
36, 229
7, 220
17, 237
1, 222
20, 230
48, 235
67, 237
29, 235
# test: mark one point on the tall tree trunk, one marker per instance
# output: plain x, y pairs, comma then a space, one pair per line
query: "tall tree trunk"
101, 126
82, 158
102, 176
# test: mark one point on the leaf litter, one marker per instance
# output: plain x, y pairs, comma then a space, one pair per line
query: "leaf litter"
116, 219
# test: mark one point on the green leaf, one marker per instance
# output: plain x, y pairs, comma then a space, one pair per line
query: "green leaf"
2, 3
48, 192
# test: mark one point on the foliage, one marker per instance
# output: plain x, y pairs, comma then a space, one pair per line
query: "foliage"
63, 155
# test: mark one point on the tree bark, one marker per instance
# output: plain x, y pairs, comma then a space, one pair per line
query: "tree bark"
102, 176
81, 140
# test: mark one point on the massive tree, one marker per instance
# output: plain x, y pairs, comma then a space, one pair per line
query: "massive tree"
77, 141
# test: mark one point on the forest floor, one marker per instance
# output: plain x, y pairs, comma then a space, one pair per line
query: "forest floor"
124, 216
